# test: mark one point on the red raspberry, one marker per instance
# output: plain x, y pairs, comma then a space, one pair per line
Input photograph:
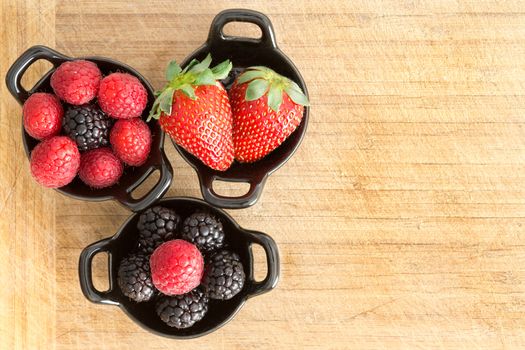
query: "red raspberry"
100, 168
176, 267
42, 115
55, 161
76, 82
122, 96
131, 141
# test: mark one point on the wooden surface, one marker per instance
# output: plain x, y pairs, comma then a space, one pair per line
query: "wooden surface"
400, 220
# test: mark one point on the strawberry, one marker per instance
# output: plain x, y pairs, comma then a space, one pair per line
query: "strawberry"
267, 108
193, 108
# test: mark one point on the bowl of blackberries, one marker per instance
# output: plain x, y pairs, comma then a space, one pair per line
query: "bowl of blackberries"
85, 131
181, 268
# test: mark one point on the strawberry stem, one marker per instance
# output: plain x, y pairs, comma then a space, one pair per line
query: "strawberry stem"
265, 81
194, 74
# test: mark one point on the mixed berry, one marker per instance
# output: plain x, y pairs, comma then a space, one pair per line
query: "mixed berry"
89, 127
180, 267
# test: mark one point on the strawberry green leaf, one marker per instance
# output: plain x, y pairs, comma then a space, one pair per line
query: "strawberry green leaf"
256, 89
205, 78
200, 67
249, 75
166, 100
154, 111
293, 85
297, 96
190, 65
173, 70
261, 68
275, 98
221, 70
188, 91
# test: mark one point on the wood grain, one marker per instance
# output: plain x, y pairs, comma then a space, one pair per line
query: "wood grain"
400, 220
27, 225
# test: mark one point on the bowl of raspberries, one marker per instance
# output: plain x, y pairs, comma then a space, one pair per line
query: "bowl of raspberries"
181, 268
84, 128
240, 118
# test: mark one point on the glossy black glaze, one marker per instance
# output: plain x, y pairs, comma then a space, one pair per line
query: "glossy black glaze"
133, 176
245, 52
220, 312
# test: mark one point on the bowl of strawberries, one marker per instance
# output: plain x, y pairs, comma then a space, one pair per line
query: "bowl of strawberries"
84, 128
240, 120
180, 268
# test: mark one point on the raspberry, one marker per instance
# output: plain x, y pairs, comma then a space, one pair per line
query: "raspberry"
42, 115
176, 267
131, 141
122, 96
55, 161
76, 82
100, 168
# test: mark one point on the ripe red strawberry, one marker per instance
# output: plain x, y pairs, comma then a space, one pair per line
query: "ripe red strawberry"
76, 82
176, 267
131, 141
122, 95
100, 168
42, 115
267, 108
194, 110
55, 161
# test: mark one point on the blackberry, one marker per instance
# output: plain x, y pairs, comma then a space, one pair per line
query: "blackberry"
87, 125
203, 230
156, 226
228, 81
224, 276
182, 311
134, 278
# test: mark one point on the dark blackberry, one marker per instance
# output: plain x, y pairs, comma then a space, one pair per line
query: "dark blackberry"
203, 230
134, 278
87, 125
156, 226
228, 81
224, 276
182, 311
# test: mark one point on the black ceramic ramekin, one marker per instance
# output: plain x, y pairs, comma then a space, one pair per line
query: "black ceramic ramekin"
245, 52
133, 176
219, 312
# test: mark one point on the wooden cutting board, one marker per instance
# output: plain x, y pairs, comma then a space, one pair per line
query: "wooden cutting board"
400, 220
